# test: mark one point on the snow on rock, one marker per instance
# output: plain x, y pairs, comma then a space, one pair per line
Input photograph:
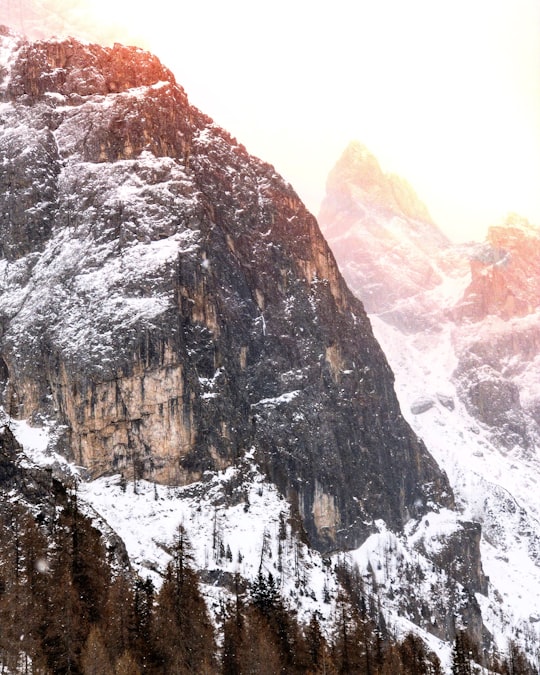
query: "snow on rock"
39, 444
422, 405
287, 397
236, 522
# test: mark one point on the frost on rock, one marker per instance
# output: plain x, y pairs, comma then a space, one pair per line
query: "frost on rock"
145, 251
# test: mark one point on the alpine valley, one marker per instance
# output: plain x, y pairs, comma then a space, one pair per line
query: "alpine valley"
204, 464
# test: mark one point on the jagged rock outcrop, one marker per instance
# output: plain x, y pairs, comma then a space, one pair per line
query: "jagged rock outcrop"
168, 298
457, 554
36, 487
358, 182
503, 278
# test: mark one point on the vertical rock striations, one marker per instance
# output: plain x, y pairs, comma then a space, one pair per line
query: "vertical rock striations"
168, 297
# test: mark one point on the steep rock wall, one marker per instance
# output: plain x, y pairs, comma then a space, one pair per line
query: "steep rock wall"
180, 306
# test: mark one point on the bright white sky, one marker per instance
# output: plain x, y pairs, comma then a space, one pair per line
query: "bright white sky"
444, 92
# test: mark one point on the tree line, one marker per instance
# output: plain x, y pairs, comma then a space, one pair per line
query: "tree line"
65, 609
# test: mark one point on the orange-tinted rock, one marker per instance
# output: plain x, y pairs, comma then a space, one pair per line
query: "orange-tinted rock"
504, 273
181, 307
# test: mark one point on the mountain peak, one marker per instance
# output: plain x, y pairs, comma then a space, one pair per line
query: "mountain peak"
69, 69
384, 215
189, 309
358, 177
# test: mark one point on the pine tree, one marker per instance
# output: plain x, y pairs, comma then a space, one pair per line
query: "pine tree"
95, 659
90, 572
264, 593
234, 632
142, 647
79, 578
318, 654
119, 617
415, 658
516, 662
261, 653
461, 655
182, 629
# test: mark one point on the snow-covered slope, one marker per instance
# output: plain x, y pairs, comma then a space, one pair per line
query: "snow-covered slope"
464, 345
493, 486
237, 522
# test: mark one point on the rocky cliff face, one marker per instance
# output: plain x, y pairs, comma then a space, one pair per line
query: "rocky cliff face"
503, 278
169, 300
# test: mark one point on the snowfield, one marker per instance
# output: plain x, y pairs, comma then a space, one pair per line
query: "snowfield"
495, 487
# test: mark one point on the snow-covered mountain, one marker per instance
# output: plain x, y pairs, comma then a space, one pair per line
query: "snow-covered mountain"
169, 300
175, 334
460, 325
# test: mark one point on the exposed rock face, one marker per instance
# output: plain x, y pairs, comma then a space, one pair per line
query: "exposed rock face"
170, 300
458, 554
460, 557
504, 282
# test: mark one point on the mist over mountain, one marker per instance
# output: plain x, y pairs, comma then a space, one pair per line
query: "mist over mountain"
390, 257
178, 343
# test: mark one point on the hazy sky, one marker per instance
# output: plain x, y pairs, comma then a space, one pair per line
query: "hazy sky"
445, 93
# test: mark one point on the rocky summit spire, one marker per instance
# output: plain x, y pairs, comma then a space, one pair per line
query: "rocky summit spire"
358, 179
169, 301
381, 233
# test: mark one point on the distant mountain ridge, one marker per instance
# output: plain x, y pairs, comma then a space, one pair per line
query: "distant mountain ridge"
460, 325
